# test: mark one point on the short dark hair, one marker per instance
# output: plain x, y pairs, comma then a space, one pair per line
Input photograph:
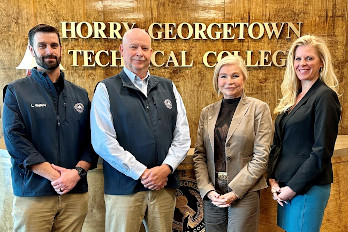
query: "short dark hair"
42, 28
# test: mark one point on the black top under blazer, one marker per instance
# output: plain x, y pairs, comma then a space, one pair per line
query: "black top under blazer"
304, 140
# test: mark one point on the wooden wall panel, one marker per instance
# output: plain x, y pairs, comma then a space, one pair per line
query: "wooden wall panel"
319, 17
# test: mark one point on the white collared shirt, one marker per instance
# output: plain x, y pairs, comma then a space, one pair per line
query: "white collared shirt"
104, 138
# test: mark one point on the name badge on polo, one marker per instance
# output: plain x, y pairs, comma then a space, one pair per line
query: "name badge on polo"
79, 107
37, 105
168, 104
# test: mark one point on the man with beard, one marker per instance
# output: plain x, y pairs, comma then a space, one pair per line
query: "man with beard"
47, 133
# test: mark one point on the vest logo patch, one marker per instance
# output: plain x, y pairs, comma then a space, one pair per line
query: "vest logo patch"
168, 104
79, 107
38, 105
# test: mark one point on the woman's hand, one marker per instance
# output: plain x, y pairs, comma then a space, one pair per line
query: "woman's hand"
223, 200
213, 195
276, 190
230, 198
286, 193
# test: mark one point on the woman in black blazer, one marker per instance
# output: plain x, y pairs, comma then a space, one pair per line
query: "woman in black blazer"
306, 128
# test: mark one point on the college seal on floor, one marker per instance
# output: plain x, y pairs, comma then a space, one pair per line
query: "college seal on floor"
188, 214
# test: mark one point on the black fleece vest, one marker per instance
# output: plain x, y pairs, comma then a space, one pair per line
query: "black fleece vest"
55, 128
144, 126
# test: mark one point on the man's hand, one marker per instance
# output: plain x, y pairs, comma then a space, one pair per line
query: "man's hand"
45, 170
155, 178
67, 181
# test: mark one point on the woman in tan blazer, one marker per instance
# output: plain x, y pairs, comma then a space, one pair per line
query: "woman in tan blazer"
231, 154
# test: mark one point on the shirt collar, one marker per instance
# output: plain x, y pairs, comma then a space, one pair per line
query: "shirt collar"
59, 85
45, 75
134, 78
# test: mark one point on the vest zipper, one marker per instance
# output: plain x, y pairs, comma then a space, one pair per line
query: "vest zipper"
58, 132
150, 117
154, 129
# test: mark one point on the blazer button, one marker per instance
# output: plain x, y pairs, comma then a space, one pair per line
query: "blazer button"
210, 117
229, 158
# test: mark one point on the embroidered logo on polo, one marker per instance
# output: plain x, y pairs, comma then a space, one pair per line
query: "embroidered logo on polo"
168, 104
79, 107
38, 105
188, 214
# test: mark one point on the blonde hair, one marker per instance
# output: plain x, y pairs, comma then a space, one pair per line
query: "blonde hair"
291, 83
227, 61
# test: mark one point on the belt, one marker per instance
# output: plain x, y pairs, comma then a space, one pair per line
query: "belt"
221, 175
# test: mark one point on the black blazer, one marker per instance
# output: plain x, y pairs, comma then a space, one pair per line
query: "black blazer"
303, 143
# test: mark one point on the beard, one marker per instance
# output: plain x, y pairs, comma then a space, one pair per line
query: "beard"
47, 65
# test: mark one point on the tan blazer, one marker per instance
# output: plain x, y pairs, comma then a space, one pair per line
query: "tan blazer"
247, 147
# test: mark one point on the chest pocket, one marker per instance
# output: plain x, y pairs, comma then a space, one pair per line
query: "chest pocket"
37, 111
74, 112
163, 108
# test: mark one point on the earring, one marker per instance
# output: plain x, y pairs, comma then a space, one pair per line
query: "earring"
320, 69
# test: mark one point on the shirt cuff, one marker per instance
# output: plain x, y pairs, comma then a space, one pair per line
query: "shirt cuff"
137, 170
171, 161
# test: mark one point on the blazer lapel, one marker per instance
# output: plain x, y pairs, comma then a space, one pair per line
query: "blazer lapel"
239, 114
213, 114
303, 100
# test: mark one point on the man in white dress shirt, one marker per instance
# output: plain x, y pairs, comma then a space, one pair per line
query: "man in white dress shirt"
140, 129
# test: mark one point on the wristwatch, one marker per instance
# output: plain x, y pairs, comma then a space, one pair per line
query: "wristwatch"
82, 172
